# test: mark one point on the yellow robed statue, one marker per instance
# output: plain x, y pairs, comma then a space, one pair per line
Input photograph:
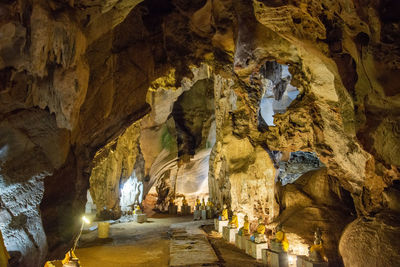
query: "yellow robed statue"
203, 204
234, 221
245, 229
317, 251
224, 215
280, 237
198, 203
184, 202
259, 235
209, 203
138, 210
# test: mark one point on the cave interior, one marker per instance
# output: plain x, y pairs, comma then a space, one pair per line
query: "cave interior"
285, 111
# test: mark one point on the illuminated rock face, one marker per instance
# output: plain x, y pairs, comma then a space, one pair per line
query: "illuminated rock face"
75, 75
114, 165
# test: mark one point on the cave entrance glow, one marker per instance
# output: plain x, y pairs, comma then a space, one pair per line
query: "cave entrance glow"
131, 193
278, 93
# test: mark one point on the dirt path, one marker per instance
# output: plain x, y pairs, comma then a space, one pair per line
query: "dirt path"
130, 244
149, 244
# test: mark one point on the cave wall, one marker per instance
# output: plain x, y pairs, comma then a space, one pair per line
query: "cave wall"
113, 165
73, 79
74, 76
330, 116
176, 137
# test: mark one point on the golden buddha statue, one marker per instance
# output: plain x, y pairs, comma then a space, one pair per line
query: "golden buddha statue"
224, 214
184, 202
203, 204
210, 205
280, 238
259, 235
138, 210
198, 204
234, 221
245, 229
316, 251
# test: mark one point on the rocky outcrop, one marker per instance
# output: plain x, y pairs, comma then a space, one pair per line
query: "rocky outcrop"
113, 165
181, 123
379, 236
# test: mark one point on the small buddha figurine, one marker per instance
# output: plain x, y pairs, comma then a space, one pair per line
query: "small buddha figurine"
198, 204
234, 224
259, 235
138, 210
316, 251
224, 214
184, 202
280, 239
210, 205
203, 204
245, 229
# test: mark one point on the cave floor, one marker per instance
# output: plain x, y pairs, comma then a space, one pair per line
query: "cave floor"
162, 241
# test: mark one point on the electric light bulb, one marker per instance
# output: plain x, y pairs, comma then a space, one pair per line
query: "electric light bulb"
292, 260
85, 220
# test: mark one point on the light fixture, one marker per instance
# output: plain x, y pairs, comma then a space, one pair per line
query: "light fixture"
84, 220
292, 260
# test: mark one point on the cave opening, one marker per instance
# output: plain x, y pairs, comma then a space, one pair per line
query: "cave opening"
278, 93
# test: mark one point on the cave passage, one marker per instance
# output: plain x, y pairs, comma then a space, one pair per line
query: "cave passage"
199, 133
278, 93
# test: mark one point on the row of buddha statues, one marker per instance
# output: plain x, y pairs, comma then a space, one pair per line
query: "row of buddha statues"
198, 205
279, 243
135, 209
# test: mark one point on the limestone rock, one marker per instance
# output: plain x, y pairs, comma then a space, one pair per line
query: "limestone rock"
113, 166
379, 236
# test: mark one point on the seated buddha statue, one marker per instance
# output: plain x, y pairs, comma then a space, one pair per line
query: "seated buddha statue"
137, 210
259, 235
280, 242
198, 204
234, 224
203, 204
210, 204
184, 202
316, 251
224, 214
245, 229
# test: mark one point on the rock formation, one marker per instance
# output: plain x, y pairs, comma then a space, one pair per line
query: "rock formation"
76, 75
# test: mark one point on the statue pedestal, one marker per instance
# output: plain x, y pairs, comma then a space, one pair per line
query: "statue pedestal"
216, 224
203, 214
303, 261
241, 240
220, 225
238, 241
173, 210
229, 234
197, 215
274, 259
140, 218
186, 210
254, 249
